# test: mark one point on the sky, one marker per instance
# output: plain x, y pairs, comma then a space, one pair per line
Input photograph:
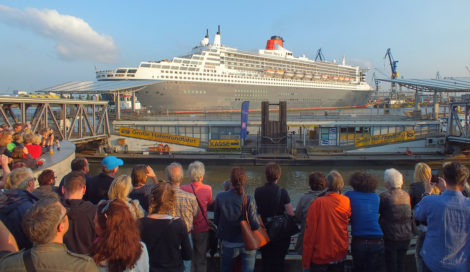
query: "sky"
50, 42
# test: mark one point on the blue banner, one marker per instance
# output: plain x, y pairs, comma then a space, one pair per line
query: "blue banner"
244, 118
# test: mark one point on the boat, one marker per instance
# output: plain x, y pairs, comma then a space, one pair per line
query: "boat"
213, 76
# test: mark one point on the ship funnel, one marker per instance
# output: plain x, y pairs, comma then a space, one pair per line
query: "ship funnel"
205, 41
217, 37
274, 43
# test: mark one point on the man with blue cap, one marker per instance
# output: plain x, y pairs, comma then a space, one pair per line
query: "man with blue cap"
99, 185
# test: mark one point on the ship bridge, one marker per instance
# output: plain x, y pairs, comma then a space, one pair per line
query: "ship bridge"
113, 87
434, 86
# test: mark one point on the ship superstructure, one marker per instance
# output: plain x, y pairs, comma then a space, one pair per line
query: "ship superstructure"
214, 76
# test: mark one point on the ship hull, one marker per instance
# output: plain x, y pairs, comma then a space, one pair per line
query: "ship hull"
176, 96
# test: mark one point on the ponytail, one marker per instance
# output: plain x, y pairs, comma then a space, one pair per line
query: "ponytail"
238, 179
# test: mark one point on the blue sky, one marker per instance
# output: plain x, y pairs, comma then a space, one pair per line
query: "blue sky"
45, 43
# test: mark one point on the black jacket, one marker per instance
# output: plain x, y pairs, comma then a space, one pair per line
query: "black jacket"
98, 188
81, 233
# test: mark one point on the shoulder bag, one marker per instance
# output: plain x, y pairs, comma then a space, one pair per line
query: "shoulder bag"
253, 239
281, 226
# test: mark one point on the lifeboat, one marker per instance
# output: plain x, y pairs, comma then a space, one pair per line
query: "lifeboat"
324, 77
335, 78
289, 74
269, 72
280, 73
316, 76
308, 76
299, 75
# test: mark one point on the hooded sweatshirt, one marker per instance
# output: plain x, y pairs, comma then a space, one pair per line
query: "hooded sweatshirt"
13, 206
81, 233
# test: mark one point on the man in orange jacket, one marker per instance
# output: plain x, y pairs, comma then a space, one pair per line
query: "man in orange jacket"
326, 229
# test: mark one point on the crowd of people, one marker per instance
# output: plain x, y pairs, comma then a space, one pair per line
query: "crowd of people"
138, 222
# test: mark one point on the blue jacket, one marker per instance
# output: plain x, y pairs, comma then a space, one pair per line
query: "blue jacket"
13, 206
228, 215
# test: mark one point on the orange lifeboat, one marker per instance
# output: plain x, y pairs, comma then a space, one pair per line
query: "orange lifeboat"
269, 72
279, 73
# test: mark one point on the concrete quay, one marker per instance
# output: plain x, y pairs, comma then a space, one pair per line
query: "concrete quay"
282, 159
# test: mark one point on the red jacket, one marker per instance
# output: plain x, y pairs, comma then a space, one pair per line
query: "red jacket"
326, 230
34, 150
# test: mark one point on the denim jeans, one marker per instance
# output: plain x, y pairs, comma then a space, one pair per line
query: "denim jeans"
395, 253
368, 255
229, 255
200, 245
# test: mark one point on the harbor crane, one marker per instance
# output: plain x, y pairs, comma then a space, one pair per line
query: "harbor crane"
393, 68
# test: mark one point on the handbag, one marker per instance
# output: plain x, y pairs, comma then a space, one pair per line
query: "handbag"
281, 226
213, 240
253, 239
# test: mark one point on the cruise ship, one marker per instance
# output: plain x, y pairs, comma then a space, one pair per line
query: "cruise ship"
215, 77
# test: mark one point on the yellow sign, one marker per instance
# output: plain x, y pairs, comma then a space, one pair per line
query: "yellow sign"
225, 144
385, 138
157, 136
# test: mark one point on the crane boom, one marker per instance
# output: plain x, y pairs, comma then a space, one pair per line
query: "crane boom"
393, 63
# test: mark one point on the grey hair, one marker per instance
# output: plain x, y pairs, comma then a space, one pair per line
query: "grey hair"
19, 178
174, 173
393, 177
335, 181
196, 170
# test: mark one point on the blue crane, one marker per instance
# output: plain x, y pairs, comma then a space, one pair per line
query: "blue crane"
393, 63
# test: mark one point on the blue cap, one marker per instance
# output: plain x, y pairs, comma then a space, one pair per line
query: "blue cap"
111, 162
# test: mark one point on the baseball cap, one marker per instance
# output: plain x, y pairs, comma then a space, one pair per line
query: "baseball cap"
111, 162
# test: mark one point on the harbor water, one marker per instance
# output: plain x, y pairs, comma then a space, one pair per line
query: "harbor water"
294, 178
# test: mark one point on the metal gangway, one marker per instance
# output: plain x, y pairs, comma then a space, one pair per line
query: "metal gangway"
458, 124
79, 121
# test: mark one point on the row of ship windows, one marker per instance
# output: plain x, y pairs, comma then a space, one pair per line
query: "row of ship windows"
251, 91
194, 92
290, 65
243, 66
238, 81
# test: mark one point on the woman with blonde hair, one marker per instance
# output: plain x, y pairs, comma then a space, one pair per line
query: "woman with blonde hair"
34, 150
120, 189
166, 236
5, 140
423, 173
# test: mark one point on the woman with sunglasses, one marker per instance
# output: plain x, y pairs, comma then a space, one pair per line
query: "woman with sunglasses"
166, 236
118, 246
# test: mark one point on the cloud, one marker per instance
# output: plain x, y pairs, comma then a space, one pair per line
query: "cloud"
75, 39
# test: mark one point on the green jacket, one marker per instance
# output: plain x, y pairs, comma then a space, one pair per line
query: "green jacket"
49, 257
